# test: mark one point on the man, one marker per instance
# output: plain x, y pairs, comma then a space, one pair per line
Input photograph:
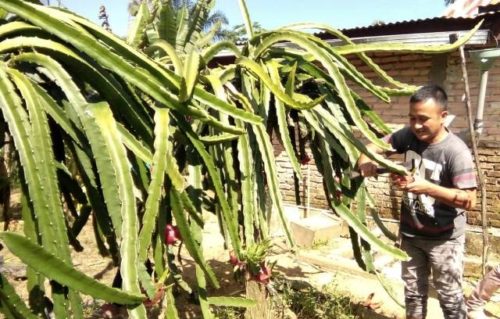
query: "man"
435, 196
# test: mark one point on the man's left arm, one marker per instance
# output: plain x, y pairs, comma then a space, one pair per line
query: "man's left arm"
459, 198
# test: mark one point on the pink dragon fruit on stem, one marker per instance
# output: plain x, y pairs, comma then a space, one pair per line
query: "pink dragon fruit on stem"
172, 234
264, 275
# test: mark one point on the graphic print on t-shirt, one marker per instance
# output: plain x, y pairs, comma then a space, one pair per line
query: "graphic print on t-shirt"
421, 203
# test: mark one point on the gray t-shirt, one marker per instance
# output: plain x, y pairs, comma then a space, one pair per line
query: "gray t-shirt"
448, 164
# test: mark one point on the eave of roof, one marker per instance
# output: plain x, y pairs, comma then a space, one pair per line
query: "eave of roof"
481, 37
417, 30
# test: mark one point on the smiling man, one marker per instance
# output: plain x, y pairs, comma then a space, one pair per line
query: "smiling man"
437, 193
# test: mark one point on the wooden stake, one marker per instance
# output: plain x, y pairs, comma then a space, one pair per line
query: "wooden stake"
480, 175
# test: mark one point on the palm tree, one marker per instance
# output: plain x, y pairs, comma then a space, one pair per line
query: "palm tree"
133, 6
214, 17
181, 23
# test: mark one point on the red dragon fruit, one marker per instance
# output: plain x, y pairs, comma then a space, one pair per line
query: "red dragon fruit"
172, 234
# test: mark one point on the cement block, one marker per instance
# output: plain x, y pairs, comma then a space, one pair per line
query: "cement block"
292, 213
318, 228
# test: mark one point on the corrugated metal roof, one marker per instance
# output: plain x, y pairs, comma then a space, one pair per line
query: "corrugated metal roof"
420, 31
408, 23
491, 15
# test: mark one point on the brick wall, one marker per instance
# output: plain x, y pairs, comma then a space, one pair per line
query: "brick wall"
417, 69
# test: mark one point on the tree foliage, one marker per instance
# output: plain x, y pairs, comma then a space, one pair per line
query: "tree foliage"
237, 33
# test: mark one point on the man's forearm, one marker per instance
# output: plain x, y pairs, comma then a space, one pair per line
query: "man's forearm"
363, 158
459, 198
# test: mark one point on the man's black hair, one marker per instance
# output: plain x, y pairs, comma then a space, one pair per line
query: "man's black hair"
431, 92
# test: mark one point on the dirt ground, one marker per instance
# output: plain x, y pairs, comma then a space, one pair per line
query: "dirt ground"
103, 270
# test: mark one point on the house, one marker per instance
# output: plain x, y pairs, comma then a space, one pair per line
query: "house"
482, 62
466, 8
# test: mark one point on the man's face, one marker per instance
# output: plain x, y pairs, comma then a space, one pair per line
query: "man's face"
427, 121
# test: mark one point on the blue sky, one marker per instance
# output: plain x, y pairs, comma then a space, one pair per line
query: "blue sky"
276, 13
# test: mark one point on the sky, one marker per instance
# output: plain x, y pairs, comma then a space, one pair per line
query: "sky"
276, 13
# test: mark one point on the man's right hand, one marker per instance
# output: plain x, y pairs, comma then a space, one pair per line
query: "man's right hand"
401, 181
367, 169
366, 166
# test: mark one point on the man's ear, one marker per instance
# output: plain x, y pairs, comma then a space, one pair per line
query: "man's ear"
444, 114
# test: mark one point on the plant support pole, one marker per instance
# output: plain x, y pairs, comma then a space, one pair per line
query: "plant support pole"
480, 175
308, 190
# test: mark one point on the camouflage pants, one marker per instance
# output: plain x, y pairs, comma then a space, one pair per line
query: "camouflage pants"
444, 258
484, 290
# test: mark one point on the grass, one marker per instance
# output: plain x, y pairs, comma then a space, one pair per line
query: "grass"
310, 303
318, 244
228, 312
306, 303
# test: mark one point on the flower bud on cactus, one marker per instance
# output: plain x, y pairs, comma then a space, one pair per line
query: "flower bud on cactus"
233, 260
236, 262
